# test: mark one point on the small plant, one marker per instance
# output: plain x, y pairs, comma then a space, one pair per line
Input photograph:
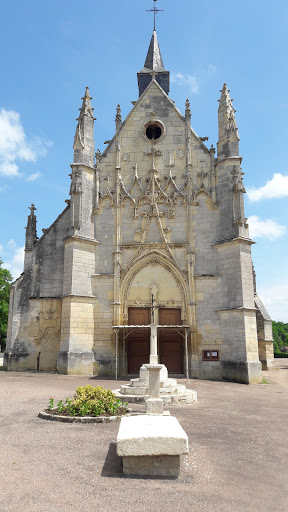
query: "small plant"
51, 403
60, 406
89, 401
264, 381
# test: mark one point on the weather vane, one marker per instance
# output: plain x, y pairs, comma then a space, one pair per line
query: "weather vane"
155, 10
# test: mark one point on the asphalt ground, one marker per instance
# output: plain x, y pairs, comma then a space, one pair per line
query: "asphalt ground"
238, 458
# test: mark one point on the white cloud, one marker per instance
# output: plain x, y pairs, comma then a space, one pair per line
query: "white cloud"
189, 81
275, 299
33, 176
212, 68
266, 228
14, 145
273, 189
13, 258
12, 243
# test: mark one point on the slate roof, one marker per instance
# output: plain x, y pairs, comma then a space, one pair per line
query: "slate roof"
259, 304
153, 60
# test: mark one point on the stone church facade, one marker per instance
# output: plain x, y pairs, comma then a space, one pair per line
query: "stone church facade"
156, 214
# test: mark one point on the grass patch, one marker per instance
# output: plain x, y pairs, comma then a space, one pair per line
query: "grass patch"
264, 381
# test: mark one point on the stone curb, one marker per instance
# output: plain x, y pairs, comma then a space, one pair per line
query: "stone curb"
82, 419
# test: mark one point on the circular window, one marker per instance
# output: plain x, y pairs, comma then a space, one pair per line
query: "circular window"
153, 131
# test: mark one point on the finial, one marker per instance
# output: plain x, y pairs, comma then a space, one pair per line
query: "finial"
98, 156
155, 10
87, 95
224, 89
118, 118
32, 209
225, 97
187, 112
118, 113
86, 108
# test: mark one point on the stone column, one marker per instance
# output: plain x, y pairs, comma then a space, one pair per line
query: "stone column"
154, 404
153, 359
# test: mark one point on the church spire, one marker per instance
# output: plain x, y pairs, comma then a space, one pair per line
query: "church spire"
153, 68
228, 141
84, 135
154, 60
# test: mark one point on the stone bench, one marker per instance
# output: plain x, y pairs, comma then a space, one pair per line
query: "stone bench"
151, 445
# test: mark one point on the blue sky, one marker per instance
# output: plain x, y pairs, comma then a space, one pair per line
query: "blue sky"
51, 51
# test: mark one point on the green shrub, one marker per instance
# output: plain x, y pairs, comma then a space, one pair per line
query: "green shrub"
89, 401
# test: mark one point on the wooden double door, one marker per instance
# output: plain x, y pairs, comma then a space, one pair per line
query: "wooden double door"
170, 341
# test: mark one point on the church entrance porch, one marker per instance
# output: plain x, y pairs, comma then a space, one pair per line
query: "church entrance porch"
138, 341
170, 340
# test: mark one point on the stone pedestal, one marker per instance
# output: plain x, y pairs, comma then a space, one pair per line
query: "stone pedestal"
154, 404
144, 373
152, 465
171, 392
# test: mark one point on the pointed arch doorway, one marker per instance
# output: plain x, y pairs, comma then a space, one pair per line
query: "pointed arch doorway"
153, 274
170, 341
138, 341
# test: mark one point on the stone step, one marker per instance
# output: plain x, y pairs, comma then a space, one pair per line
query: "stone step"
168, 391
168, 383
187, 398
128, 390
134, 383
180, 389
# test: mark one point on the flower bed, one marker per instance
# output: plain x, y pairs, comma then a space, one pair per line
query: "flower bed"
88, 402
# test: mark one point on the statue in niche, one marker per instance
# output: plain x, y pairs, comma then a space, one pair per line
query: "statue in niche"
154, 291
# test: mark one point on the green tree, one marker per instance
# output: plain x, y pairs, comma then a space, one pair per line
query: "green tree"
5, 280
280, 336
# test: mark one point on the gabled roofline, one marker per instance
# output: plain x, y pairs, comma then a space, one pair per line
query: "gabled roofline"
56, 220
154, 81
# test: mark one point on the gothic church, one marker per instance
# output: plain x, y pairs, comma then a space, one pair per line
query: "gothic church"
157, 216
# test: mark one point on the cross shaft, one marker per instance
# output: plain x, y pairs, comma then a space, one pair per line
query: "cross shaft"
155, 10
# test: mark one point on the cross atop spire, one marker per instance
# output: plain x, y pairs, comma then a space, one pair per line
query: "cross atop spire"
155, 10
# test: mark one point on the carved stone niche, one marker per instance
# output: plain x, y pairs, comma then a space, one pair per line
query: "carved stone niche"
157, 277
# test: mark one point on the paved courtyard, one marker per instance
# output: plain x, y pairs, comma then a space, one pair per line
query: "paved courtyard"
238, 457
